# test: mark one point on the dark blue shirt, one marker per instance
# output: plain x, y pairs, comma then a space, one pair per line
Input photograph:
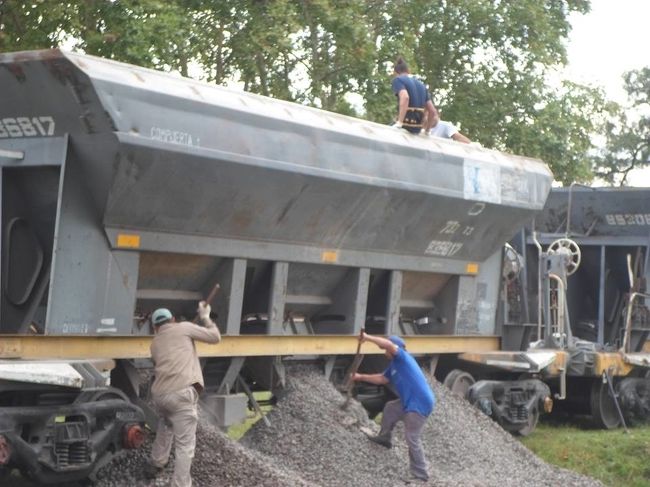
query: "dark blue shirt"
412, 387
418, 93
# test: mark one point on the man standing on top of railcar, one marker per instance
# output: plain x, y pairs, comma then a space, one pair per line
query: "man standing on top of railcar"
176, 389
415, 404
415, 109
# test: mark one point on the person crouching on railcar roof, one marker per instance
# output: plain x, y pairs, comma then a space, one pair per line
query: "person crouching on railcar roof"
415, 109
176, 388
446, 130
415, 404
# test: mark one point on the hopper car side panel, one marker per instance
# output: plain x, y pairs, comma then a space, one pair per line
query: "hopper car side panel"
160, 170
124, 189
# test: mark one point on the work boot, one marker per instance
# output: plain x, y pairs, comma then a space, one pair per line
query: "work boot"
381, 440
415, 480
151, 471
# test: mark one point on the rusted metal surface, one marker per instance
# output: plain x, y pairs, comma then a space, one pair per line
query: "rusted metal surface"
175, 271
134, 436
549, 361
5, 451
617, 363
613, 363
421, 286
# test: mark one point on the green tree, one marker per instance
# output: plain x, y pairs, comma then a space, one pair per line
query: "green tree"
263, 48
33, 25
334, 47
628, 135
486, 62
560, 130
149, 33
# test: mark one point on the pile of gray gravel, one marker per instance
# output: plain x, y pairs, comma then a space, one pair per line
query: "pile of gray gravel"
312, 434
465, 447
313, 440
218, 461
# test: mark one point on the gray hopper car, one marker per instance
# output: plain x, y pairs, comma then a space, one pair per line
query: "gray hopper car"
575, 310
124, 189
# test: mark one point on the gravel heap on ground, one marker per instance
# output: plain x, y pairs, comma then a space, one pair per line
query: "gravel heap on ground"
313, 440
312, 434
466, 447
218, 461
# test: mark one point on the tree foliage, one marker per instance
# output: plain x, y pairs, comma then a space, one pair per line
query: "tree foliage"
628, 135
150, 33
485, 61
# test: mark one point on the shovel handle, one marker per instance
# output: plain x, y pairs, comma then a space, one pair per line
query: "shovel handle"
213, 293
354, 366
210, 298
361, 332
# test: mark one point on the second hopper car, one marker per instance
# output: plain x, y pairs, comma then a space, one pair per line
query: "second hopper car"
574, 310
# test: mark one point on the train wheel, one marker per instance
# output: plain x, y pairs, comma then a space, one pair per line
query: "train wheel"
533, 418
459, 382
603, 407
101, 395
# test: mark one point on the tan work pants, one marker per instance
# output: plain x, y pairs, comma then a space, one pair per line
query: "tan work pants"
177, 423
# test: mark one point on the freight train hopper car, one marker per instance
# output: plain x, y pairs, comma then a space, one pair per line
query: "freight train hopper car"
126, 189
575, 309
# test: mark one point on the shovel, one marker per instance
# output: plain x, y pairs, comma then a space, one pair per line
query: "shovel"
348, 383
213, 293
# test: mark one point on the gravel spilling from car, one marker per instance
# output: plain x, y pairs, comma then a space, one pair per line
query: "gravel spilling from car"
311, 433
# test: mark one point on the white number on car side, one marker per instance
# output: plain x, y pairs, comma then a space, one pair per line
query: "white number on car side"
11, 127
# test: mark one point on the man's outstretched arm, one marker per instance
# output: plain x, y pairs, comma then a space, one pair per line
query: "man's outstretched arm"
381, 342
377, 379
458, 137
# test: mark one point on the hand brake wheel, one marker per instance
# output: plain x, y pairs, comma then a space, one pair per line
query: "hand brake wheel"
566, 246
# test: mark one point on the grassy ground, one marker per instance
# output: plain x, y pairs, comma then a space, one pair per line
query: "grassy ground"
613, 457
236, 431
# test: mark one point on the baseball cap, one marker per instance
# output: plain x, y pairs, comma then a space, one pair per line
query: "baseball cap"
397, 341
161, 315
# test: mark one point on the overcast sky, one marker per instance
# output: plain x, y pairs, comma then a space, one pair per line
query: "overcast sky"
611, 39
605, 43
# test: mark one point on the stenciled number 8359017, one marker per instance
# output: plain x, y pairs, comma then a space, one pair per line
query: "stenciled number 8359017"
26, 127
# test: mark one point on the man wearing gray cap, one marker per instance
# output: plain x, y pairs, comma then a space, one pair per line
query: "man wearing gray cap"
176, 388
415, 404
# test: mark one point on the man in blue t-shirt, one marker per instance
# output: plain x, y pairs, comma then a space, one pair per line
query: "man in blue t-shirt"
415, 404
415, 109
